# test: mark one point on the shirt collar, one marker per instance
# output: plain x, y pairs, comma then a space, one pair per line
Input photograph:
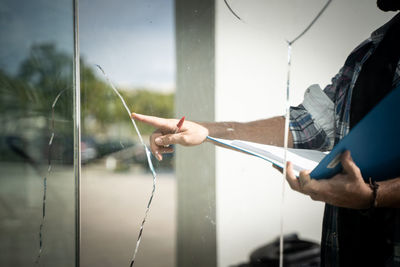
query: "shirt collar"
378, 34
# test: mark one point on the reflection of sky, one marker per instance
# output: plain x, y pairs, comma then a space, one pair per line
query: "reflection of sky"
132, 40
23, 23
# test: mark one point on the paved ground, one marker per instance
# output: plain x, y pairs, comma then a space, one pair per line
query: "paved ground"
113, 206
21, 196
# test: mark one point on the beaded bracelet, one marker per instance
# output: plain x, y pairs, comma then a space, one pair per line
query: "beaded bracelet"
374, 187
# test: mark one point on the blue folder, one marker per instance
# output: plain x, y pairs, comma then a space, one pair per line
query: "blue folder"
374, 144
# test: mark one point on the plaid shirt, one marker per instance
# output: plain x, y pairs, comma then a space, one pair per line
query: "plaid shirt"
313, 129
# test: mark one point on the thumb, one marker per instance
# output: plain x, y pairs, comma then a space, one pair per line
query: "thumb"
348, 164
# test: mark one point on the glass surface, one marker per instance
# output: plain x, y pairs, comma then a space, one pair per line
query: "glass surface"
36, 65
133, 42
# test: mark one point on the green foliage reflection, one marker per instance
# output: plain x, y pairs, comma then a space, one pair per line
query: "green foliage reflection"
27, 96
102, 105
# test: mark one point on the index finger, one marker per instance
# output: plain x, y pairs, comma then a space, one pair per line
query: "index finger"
153, 121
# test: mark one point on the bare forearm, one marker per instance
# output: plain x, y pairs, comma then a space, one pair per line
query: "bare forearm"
268, 131
388, 194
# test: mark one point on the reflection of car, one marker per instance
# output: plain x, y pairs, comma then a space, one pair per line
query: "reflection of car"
13, 148
88, 149
36, 149
110, 146
64, 147
136, 154
118, 154
141, 158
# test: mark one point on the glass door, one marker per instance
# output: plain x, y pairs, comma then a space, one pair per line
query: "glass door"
37, 182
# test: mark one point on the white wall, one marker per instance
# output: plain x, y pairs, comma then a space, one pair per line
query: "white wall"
251, 58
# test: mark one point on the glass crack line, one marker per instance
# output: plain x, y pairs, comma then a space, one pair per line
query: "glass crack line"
46, 176
148, 155
287, 117
231, 10
311, 23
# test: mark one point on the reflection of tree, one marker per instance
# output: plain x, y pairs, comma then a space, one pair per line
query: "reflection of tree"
47, 71
101, 104
26, 98
41, 76
25, 106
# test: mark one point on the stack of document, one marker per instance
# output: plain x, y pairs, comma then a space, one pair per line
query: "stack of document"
302, 159
374, 144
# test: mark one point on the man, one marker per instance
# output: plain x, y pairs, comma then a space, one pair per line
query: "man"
361, 221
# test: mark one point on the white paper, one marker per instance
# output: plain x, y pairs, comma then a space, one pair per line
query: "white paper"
302, 159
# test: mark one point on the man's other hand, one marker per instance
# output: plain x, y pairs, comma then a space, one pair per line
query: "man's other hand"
346, 189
